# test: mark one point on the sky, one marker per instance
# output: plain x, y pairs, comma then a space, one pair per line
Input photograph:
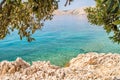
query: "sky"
76, 4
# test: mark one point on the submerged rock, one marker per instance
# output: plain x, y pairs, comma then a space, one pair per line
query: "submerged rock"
89, 66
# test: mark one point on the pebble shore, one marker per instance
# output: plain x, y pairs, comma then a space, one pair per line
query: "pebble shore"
89, 66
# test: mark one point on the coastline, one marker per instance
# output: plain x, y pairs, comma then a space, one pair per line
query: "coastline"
78, 12
91, 65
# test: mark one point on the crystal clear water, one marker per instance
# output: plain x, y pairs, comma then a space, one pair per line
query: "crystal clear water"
59, 41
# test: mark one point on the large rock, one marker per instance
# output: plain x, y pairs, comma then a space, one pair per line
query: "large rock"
12, 67
89, 66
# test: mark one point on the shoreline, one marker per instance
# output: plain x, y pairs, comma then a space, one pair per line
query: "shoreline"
85, 66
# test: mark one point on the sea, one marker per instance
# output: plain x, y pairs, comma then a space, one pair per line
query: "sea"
58, 41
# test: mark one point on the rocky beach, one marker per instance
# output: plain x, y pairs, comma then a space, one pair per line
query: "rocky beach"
89, 66
59, 40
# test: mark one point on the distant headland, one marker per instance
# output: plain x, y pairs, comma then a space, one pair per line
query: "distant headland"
78, 11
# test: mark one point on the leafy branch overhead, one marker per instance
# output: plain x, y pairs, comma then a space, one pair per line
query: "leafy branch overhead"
24, 16
27, 16
106, 13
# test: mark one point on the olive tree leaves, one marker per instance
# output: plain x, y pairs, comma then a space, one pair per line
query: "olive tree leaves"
25, 16
106, 13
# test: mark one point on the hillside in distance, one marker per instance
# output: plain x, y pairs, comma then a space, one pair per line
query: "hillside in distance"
78, 11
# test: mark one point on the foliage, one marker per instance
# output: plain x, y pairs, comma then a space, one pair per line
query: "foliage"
106, 13
25, 16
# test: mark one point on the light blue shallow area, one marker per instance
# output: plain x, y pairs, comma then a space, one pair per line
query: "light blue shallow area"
59, 41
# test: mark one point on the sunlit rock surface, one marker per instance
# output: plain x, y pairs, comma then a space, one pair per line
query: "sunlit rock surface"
89, 66
78, 11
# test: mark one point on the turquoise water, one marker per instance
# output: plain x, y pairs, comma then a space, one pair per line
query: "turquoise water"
58, 41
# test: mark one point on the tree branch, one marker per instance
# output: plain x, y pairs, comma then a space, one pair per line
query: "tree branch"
2, 2
67, 2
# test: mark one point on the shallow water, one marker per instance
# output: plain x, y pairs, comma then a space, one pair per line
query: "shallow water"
59, 41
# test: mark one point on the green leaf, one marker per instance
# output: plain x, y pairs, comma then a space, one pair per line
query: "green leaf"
8, 1
0, 15
117, 22
104, 1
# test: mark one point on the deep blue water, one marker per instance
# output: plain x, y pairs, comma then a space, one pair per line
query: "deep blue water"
59, 41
